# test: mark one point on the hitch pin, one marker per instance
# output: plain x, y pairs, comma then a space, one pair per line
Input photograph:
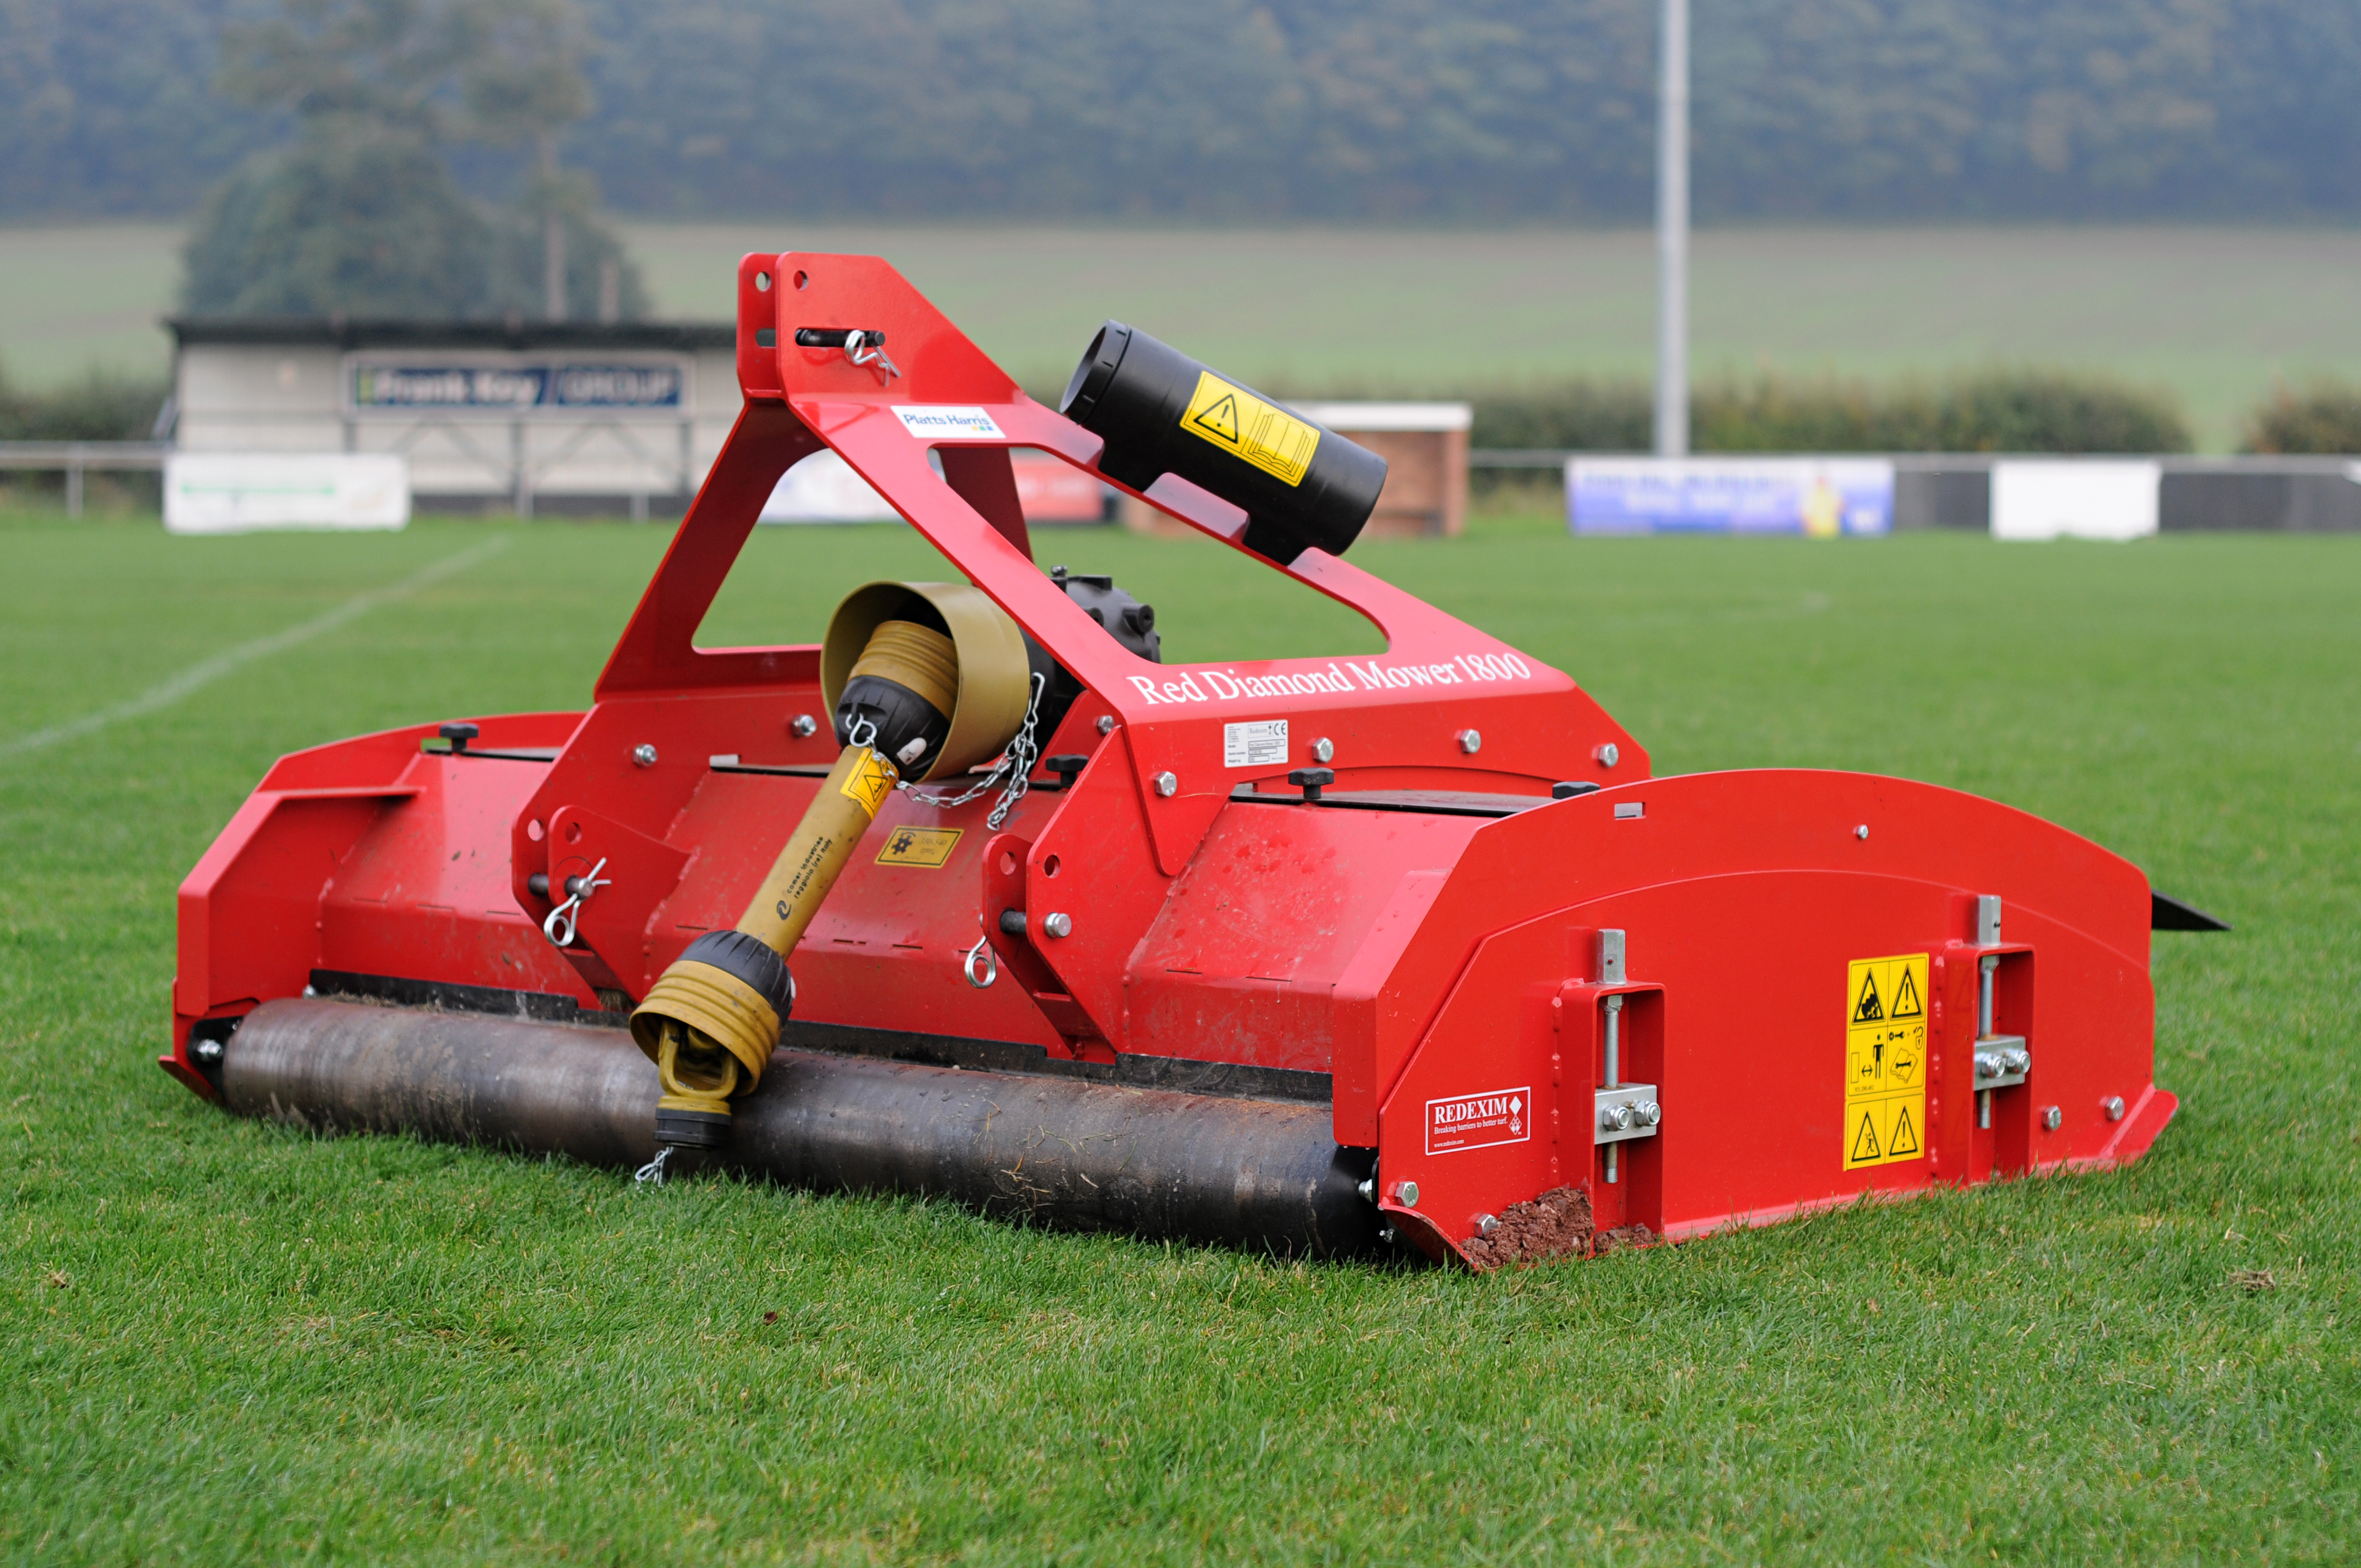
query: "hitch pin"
559, 926
991, 971
868, 348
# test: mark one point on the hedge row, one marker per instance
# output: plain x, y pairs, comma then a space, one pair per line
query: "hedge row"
2324, 417
99, 407
1992, 411
1989, 411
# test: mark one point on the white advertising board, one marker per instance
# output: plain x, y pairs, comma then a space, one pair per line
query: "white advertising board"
238, 492
2075, 499
823, 488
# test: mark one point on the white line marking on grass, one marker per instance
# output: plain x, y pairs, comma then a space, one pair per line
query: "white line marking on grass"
166, 692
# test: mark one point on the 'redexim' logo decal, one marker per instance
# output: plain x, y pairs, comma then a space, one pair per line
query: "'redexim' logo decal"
1228, 686
1480, 1121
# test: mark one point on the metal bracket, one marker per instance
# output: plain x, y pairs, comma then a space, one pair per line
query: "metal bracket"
2002, 1060
1626, 1112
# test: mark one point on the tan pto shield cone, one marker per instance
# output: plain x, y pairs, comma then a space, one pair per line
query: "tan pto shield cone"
950, 668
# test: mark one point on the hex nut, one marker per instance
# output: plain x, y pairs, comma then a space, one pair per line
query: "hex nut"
2114, 1107
1862, 831
1471, 741
1106, 723
1487, 1223
804, 726
1608, 754
2052, 1118
1406, 1194
1651, 1114
643, 755
1167, 786
1323, 749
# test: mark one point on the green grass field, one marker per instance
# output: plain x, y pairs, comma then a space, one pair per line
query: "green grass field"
227, 1342
2213, 315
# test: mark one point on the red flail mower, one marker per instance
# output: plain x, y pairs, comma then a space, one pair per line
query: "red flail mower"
1343, 955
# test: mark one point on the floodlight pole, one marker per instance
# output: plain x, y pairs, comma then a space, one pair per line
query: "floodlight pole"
1673, 233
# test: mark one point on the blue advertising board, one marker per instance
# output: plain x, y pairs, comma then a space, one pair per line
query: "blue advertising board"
513, 385
1816, 496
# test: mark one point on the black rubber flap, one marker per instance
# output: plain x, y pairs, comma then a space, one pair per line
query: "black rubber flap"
2166, 912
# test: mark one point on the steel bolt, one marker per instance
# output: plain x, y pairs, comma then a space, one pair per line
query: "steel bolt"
1406, 1194
1608, 754
1651, 1114
1323, 749
1167, 786
1057, 925
643, 755
2052, 1118
1470, 741
1368, 1189
2113, 1106
1106, 723
804, 726
1487, 1223
2016, 1062
206, 1052
1862, 831
1615, 1118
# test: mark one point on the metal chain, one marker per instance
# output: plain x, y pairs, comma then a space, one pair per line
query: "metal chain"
1020, 756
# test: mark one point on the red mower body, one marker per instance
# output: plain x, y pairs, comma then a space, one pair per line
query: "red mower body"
1801, 990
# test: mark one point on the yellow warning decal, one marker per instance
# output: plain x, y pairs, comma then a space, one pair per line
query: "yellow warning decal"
1886, 1060
929, 847
870, 781
1245, 426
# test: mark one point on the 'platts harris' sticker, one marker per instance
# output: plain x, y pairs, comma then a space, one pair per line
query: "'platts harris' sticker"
948, 421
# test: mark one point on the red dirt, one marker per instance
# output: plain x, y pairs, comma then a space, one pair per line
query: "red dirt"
1556, 1224
1623, 1236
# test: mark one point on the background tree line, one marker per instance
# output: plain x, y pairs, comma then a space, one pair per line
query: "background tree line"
1368, 110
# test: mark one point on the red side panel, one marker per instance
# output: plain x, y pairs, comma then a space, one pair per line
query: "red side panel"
1744, 898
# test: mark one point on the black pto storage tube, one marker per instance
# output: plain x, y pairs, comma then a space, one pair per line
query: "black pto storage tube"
1159, 411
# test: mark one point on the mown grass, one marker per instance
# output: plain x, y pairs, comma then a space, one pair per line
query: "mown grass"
230, 1342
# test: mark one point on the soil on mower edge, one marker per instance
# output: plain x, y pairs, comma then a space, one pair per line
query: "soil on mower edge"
1556, 1224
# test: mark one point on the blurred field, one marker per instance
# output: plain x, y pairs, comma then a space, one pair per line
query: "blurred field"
230, 1342
2211, 314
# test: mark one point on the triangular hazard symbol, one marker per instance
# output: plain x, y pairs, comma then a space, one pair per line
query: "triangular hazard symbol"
1868, 1010
1864, 1143
1222, 420
1905, 998
1906, 1137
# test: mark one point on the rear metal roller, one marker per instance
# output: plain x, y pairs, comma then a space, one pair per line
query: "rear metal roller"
1066, 1153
